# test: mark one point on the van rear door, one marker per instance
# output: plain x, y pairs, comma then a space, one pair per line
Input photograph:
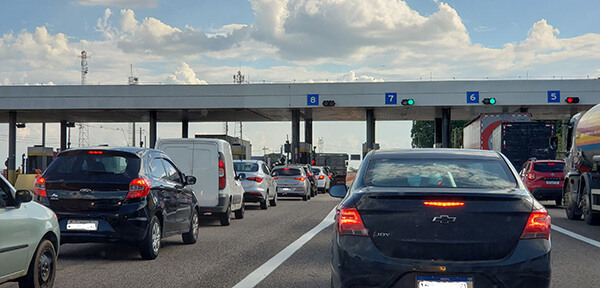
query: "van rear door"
199, 159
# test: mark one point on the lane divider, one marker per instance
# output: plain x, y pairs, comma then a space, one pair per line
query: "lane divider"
264, 270
576, 236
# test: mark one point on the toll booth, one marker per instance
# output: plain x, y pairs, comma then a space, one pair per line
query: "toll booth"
306, 153
38, 157
366, 150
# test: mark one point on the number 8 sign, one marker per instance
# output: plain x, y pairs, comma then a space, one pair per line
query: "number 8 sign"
312, 99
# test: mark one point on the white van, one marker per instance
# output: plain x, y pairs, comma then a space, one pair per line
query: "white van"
218, 189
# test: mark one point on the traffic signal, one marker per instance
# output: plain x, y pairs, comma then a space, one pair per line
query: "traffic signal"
572, 100
408, 102
489, 101
328, 103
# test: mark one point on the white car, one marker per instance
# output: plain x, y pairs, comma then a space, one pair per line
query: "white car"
258, 184
29, 239
323, 181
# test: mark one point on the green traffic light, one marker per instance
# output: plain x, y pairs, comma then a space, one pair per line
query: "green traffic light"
492, 101
411, 102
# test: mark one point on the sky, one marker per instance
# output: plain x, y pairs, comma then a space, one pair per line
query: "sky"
286, 41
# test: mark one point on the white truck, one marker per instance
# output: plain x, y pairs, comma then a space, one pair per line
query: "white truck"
218, 189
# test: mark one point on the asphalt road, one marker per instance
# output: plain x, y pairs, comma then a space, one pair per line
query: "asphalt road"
224, 256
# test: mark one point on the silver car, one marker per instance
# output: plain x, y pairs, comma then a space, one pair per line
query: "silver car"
292, 181
29, 239
258, 184
322, 178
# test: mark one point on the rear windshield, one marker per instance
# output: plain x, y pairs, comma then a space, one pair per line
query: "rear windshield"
549, 167
316, 170
286, 172
447, 173
245, 167
105, 167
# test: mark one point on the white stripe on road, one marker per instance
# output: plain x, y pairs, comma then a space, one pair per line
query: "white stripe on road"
576, 236
263, 271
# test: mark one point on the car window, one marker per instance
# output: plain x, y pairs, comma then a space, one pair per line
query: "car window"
245, 167
265, 169
172, 173
286, 172
157, 169
3, 198
316, 170
548, 167
453, 173
99, 166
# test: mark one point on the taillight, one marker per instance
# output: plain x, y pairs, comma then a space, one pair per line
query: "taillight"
222, 181
95, 152
299, 178
139, 187
39, 187
538, 225
329, 176
274, 178
349, 223
531, 176
444, 203
257, 179
321, 177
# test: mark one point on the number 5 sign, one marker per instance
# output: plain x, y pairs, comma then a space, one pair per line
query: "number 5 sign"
312, 99
553, 96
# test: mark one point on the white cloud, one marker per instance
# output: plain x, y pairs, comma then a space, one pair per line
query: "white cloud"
120, 3
184, 75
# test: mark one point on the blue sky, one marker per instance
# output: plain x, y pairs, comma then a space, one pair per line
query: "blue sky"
275, 41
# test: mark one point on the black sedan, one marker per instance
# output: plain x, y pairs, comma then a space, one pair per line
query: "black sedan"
439, 218
119, 194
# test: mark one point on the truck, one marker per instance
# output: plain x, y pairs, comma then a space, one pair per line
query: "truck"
240, 149
519, 141
338, 164
477, 133
581, 188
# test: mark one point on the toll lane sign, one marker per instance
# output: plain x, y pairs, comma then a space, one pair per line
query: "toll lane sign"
391, 99
312, 99
472, 97
553, 96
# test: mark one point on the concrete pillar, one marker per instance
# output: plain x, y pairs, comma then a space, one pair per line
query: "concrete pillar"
63, 135
370, 129
446, 128
12, 147
152, 129
295, 135
185, 123
308, 131
438, 132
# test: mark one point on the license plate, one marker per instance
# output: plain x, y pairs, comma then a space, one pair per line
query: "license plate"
444, 282
552, 182
82, 225
285, 189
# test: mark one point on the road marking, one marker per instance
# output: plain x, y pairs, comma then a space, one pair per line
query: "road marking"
264, 270
576, 236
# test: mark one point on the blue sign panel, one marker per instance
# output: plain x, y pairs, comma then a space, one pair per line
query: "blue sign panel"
391, 99
472, 97
553, 96
312, 99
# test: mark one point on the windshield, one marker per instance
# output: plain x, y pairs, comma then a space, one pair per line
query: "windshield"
83, 166
245, 167
447, 173
285, 172
549, 167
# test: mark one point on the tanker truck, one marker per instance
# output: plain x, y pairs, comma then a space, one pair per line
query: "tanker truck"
581, 189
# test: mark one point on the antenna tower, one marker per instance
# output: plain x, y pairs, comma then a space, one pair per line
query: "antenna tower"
132, 80
84, 66
320, 145
238, 78
84, 135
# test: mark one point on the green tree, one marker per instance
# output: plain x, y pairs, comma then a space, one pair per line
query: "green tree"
423, 134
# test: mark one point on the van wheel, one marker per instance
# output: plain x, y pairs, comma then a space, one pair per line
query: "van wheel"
274, 201
192, 235
239, 214
225, 218
150, 245
42, 268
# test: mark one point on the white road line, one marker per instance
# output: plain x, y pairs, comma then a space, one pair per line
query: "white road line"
576, 236
263, 271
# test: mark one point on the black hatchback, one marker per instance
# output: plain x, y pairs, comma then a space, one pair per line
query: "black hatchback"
119, 194
439, 218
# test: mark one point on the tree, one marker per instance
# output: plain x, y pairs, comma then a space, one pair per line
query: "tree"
423, 134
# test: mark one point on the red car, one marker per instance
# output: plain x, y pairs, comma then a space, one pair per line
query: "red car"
544, 179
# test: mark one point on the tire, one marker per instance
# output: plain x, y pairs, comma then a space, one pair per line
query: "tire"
274, 201
265, 203
590, 217
42, 269
305, 197
191, 236
239, 214
225, 218
558, 201
150, 245
571, 209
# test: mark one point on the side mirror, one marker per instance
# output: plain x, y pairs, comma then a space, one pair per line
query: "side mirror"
242, 176
190, 180
24, 196
338, 191
553, 142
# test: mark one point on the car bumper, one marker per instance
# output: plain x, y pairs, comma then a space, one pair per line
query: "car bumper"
362, 265
129, 224
220, 208
253, 197
292, 192
547, 193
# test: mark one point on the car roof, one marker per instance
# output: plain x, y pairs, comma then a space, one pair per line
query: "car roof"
548, 161
442, 153
133, 150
